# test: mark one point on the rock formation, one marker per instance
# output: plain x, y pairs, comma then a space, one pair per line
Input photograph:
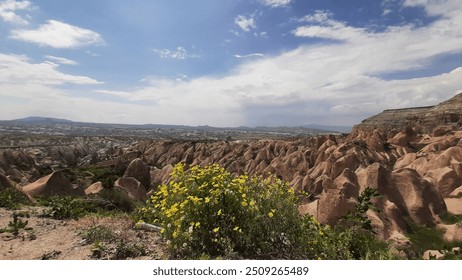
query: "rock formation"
54, 184
425, 119
131, 188
140, 171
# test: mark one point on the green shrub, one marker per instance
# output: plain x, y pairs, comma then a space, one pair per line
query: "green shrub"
63, 207
107, 176
450, 219
208, 212
98, 233
107, 245
117, 200
12, 199
425, 238
15, 225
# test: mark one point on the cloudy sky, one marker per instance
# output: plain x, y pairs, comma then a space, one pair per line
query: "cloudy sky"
226, 62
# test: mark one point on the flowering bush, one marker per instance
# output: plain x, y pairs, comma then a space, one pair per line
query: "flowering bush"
208, 212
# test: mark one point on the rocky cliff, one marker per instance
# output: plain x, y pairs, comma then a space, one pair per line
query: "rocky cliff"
423, 119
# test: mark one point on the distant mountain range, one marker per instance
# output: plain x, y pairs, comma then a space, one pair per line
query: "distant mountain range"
41, 120
310, 128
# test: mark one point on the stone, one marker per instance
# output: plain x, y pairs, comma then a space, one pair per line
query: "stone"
456, 192
338, 197
442, 130
4, 182
131, 187
54, 184
161, 176
454, 205
140, 171
433, 255
416, 197
374, 176
94, 188
446, 179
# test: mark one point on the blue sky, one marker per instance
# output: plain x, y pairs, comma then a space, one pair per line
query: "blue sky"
226, 62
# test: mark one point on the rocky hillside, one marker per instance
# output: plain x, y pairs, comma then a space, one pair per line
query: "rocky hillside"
423, 119
413, 157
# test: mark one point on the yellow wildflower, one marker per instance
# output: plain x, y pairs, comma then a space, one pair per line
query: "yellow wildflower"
217, 229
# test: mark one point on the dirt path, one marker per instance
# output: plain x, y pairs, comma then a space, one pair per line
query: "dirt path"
65, 239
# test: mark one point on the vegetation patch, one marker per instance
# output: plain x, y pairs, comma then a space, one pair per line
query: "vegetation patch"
16, 225
450, 219
13, 199
425, 238
108, 245
107, 203
107, 176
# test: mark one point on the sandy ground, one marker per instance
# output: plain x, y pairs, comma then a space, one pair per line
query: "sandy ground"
63, 239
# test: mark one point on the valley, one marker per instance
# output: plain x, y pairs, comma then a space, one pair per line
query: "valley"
411, 157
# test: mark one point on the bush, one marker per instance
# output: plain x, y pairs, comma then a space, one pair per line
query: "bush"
108, 245
12, 198
63, 207
208, 212
425, 238
107, 176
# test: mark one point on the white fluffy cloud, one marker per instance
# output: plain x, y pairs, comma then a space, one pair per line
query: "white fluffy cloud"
19, 70
245, 23
276, 3
9, 8
58, 34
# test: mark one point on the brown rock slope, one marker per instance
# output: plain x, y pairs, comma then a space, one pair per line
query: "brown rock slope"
424, 119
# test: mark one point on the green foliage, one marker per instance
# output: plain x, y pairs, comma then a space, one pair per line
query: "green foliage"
107, 245
16, 225
63, 207
352, 237
106, 203
206, 212
450, 219
98, 233
107, 176
12, 198
452, 254
358, 219
425, 238
116, 200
